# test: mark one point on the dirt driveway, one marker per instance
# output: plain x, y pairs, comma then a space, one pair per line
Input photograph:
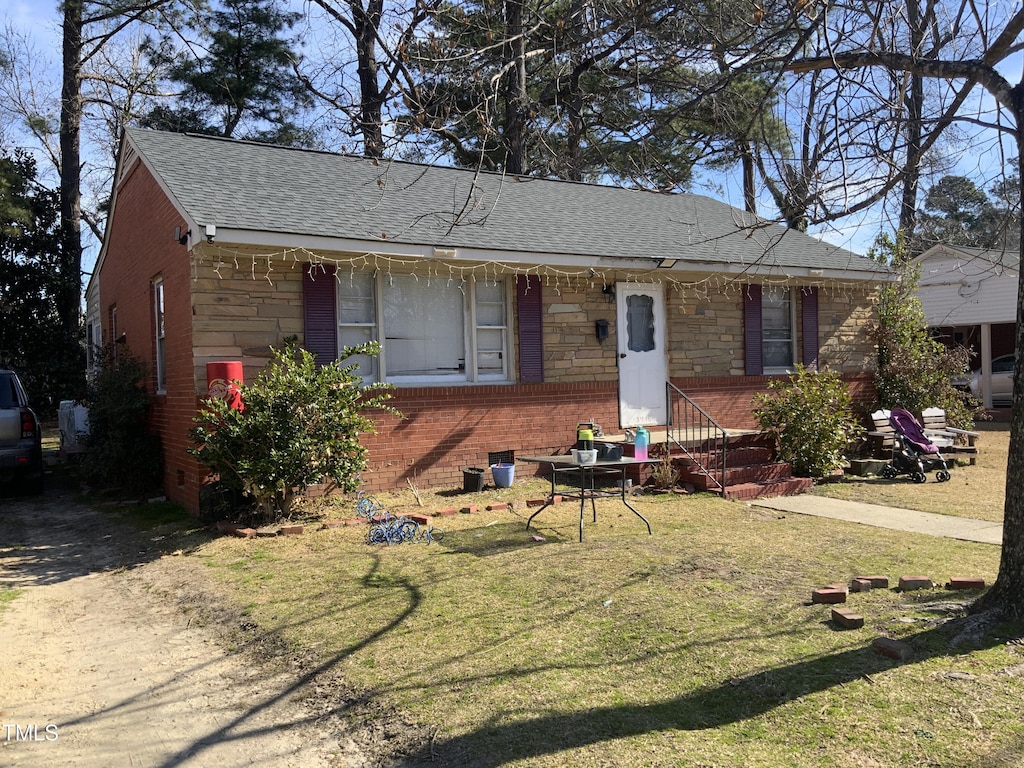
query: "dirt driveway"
107, 659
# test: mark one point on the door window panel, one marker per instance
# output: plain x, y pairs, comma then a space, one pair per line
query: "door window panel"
640, 323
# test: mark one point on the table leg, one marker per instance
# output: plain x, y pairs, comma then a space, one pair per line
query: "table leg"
551, 498
631, 507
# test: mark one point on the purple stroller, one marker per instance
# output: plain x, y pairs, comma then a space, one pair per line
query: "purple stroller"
912, 452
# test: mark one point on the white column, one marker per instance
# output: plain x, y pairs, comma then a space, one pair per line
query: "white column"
986, 364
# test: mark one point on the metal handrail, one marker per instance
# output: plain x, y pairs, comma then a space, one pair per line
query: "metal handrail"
696, 434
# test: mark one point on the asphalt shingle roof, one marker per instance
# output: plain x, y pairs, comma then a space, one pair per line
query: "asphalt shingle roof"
260, 187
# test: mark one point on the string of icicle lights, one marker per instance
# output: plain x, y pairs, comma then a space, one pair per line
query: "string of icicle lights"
262, 266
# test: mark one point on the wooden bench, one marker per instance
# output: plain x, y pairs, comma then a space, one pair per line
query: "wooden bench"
961, 441
880, 438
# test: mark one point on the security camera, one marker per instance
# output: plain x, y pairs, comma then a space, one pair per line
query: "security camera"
211, 232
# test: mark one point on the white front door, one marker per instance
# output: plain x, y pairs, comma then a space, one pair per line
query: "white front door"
643, 359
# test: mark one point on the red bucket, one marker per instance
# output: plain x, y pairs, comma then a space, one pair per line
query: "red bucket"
222, 381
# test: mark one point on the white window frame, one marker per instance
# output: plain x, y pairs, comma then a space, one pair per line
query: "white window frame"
470, 371
791, 296
160, 334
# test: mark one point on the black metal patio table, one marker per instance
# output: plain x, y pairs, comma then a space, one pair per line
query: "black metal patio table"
583, 486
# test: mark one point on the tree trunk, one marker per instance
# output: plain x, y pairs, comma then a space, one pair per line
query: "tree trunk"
1007, 594
515, 88
915, 106
69, 301
747, 162
367, 22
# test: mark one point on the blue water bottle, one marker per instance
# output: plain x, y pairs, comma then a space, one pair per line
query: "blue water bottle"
640, 443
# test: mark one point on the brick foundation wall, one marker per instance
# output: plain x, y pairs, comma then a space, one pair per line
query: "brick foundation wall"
452, 428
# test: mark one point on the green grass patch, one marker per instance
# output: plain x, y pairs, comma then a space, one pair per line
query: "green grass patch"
7, 596
697, 646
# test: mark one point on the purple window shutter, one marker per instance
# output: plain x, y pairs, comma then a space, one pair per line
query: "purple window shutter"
754, 356
809, 327
321, 314
529, 310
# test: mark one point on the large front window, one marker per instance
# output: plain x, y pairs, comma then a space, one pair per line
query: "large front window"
431, 329
777, 337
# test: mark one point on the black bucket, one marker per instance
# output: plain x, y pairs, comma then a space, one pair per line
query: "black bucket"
472, 480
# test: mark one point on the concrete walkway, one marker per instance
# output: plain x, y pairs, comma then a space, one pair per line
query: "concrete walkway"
888, 517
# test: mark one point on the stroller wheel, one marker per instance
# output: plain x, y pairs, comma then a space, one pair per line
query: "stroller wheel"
942, 476
889, 471
920, 477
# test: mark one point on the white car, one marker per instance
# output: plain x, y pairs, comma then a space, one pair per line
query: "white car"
1002, 381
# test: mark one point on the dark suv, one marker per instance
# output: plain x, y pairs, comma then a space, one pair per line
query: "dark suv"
21, 436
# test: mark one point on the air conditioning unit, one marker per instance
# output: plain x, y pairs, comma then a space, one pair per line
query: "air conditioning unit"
73, 420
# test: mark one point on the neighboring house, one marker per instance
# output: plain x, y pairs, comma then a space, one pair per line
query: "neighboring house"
509, 308
969, 296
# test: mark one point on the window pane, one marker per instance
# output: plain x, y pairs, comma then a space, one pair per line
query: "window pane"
423, 326
640, 323
490, 304
777, 328
490, 349
778, 354
356, 304
353, 336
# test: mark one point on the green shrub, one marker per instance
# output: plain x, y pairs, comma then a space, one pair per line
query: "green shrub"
122, 452
300, 426
810, 415
915, 371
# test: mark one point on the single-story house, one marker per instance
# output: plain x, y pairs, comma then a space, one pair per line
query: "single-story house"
509, 309
969, 297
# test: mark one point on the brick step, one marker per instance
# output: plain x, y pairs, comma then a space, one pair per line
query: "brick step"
738, 475
748, 491
739, 457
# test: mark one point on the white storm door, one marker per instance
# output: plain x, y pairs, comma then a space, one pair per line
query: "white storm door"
643, 359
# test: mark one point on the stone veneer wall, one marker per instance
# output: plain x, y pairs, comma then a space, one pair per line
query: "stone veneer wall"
239, 313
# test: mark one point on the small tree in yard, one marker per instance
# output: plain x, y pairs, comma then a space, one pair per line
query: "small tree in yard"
810, 415
914, 370
300, 425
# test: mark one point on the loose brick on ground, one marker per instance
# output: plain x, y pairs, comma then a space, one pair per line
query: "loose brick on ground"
337, 523
861, 585
447, 511
828, 595
893, 649
877, 582
419, 519
245, 533
291, 530
960, 582
846, 618
908, 583
496, 507
469, 510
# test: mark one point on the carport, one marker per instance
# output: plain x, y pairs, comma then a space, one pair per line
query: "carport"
969, 296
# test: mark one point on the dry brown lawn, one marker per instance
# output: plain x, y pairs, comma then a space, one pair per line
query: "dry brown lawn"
976, 491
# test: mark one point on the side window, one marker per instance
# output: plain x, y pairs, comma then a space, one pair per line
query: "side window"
160, 334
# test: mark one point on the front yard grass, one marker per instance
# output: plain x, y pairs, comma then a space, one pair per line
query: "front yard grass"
696, 647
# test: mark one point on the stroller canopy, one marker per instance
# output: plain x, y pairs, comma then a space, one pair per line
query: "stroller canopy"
910, 429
